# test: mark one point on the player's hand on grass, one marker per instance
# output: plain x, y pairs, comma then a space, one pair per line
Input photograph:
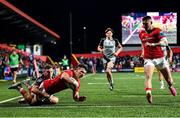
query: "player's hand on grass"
81, 98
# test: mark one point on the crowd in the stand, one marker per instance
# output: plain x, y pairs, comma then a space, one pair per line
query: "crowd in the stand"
23, 68
125, 62
94, 64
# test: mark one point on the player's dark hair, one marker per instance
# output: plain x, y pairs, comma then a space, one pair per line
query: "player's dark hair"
81, 66
146, 18
108, 29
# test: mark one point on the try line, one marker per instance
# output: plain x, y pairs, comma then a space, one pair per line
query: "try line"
90, 106
10, 99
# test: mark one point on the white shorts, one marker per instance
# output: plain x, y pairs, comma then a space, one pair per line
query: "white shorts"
113, 59
159, 63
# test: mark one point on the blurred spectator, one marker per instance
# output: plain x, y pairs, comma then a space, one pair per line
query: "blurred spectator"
65, 63
56, 70
125, 62
14, 61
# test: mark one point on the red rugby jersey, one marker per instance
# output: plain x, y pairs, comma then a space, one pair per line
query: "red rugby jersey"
151, 52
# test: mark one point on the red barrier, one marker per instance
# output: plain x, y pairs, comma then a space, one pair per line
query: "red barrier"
9, 48
123, 53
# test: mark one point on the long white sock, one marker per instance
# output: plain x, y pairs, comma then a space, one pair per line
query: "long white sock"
112, 81
162, 83
148, 91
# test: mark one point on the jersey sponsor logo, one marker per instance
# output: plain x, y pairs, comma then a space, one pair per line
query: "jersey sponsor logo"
148, 38
108, 46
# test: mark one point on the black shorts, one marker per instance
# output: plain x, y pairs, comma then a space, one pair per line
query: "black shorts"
41, 101
30, 71
14, 69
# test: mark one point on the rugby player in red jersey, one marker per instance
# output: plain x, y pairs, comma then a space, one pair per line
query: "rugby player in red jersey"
152, 39
29, 97
67, 79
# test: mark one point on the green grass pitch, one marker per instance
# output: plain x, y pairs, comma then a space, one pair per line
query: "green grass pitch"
126, 100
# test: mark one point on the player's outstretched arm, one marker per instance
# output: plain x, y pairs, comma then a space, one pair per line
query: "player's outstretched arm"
78, 98
74, 85
70, 81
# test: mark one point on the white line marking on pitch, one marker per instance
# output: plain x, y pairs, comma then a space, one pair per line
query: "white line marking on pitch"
97, 83
86, 106
88, 75
10, 99
3, 80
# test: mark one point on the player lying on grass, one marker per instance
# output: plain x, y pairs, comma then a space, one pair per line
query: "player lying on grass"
44, 93
27, 96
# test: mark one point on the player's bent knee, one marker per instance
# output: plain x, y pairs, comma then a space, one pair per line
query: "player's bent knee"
54, 100
28, 97
149, 77
108, 70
